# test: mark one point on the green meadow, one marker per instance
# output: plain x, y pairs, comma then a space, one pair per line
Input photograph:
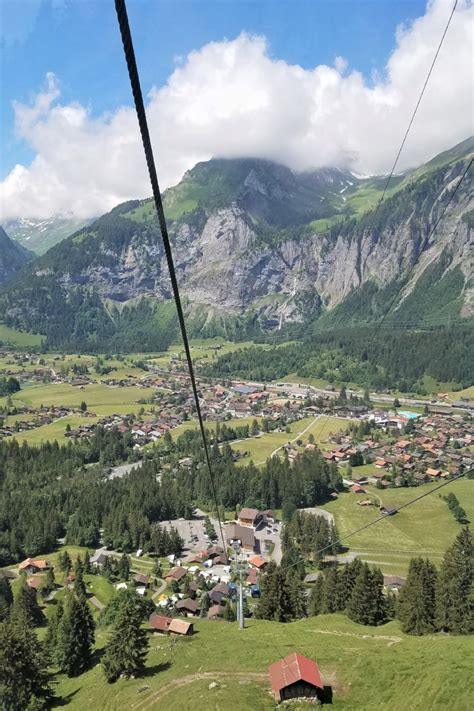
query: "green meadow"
426, 528
368, 669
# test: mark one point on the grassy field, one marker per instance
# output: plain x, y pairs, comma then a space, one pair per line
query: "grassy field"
427, 528
260, 448
368, 669
100, 399
19, 338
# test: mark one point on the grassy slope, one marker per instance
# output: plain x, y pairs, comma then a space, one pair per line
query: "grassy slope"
369, 668
19, 338
260, 448
426, 528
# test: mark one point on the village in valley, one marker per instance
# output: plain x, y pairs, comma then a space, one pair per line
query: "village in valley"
381, 445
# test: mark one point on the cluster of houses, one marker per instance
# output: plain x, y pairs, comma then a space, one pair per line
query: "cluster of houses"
438, 446
38, 418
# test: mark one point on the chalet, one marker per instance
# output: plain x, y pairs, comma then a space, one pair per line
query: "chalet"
258, 562
249, 517
34, 583
433, 473
295, 676
187, 607
31, 566
241, 534
181, 627
252, 577
169, 625
357, 489
176, 574
141, 579
215, 611
159, 623
393, 582
388, 510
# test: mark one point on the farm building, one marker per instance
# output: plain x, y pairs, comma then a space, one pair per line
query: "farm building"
295, 676
31, 566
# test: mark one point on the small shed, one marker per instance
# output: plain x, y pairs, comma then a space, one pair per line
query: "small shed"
294, 677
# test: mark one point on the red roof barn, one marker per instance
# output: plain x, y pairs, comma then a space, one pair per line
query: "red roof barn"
295, 676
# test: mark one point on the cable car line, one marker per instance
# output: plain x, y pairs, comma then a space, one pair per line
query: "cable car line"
121, 9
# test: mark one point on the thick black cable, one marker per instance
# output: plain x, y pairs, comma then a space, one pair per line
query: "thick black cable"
122, 17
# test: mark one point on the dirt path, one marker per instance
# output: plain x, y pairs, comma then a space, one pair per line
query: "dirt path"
158, 696
392, 639
300, 434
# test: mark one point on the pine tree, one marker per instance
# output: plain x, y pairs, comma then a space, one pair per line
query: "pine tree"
297, 594
23, 673
316, 598
51, 639
229, 613
6, 597
275, 601
127, 648
75, 636
416, 602
454, 595
205, 604
26, 607
124, 567
366, 604
87, 563
65, 562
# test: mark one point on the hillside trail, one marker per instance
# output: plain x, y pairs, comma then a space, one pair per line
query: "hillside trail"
292, 441
158, 696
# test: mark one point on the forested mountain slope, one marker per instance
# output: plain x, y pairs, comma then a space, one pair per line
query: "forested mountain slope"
13, 256
258, 247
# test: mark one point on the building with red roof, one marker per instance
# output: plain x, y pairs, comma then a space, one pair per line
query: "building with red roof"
295, 676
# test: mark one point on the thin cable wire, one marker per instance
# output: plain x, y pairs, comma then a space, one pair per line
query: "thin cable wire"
383, 517
410, 123
418, 102
122, 17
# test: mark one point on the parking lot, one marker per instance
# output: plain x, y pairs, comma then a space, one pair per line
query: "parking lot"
192, 533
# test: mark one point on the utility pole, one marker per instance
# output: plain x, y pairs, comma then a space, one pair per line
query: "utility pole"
240, 570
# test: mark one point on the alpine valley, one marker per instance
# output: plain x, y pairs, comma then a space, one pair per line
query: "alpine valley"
259, 251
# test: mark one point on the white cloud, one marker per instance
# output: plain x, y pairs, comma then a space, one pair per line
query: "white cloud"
232, 99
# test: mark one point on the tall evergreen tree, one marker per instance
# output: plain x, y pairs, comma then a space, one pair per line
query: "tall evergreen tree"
297, 594
127, 648
23, 674
51, 639
316, 598
6, 597
124, 567
275, 601
26, 607
417, 601
455, 589
75, 636
366, 604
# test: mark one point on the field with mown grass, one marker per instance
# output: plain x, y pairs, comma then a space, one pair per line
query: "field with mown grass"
19, 338
261, 447
426, 528
368, 669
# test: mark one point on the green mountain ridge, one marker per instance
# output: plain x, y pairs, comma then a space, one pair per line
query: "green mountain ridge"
259, 249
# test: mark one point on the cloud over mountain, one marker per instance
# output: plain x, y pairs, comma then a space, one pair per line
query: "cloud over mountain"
232, 98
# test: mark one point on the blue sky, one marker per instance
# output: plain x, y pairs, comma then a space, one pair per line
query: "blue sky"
307, 83
78, 41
